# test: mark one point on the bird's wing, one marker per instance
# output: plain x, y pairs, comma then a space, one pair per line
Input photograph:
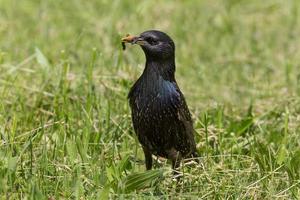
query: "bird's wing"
182, 118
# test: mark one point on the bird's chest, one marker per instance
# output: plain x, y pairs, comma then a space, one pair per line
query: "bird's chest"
152, 102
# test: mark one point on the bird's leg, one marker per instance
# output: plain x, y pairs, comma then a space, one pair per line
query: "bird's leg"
175, 156
148, 158
195, 157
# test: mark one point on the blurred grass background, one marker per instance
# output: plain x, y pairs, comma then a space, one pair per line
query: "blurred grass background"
64, 118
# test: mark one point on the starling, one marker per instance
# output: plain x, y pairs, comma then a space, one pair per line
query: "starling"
160, 115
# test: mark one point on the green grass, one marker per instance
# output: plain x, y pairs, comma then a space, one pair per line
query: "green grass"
65, 128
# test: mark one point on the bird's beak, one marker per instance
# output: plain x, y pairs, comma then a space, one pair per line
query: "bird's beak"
133, 40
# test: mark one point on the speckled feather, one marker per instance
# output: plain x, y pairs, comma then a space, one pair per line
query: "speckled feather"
160, 115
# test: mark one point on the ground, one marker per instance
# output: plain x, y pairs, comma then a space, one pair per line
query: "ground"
65, 128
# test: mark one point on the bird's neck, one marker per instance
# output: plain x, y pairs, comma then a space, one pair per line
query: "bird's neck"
162, 68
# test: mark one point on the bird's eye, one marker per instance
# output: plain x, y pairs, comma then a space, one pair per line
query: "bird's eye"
151, 41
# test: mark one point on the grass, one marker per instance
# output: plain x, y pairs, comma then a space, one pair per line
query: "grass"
65, 128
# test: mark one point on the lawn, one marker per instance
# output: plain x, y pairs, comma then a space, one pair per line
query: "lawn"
65, 126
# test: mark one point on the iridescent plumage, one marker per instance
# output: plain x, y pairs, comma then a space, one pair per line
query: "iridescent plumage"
160, 115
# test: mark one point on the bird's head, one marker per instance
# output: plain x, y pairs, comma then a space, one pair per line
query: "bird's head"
156, 45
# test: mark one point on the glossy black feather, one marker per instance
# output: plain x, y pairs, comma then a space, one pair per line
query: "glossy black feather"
160, 115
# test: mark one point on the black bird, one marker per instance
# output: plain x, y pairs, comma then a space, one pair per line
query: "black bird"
160, 115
